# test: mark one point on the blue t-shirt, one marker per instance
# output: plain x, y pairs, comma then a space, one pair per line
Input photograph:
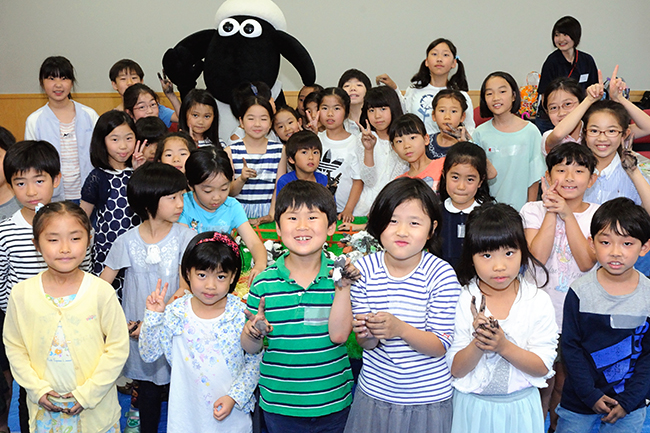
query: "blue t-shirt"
165, 114
226, 217
291, 176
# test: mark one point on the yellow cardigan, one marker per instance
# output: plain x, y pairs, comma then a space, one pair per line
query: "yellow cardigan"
97, 337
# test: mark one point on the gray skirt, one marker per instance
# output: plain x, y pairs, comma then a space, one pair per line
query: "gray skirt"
369, 415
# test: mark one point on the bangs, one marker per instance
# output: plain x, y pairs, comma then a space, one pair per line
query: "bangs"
491, 236
57, 67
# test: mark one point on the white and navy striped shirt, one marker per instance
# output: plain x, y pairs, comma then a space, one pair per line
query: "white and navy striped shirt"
425, 299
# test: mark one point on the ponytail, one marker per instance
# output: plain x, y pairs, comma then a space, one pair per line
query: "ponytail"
458, 81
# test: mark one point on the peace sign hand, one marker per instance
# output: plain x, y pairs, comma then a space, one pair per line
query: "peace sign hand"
368, 139
138, 158
156, 301
478, 314
312, 122
165, 83
257, 326
628, 159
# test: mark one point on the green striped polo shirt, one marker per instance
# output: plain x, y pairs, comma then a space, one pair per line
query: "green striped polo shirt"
302, 372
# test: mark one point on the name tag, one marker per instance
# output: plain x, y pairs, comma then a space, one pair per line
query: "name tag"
583, 78
460, 231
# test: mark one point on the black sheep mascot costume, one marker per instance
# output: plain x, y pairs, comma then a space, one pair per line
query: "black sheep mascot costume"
249, 38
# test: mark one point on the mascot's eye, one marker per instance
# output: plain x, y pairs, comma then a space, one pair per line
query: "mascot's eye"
250, 29
228, 27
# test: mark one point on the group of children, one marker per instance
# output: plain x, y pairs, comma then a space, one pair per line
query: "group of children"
458, 316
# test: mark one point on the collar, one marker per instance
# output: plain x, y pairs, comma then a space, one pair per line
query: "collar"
323, 272
607, 171
452, 209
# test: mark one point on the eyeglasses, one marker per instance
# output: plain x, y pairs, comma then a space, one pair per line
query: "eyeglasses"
567, 106
143, 106
611, 133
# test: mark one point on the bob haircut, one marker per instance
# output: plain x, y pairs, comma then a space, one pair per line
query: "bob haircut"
569, 153
132, 94
397, 192
38, 155
125, 65
569, 85
568, 26
54, 209
205, 162
151, 129
149, 183
381, 96
200, 96
301, 193
516, 104
405, 125
490, 227
338, 93
451, 94
289, 110
58, 67
355, 73
457, 81
302, 140
622, 216
6, 138
465, 152
210, 255
105, 125
256, 100
312, 97
180, 135
244, 91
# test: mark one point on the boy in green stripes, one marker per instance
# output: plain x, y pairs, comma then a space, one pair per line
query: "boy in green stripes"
305, 376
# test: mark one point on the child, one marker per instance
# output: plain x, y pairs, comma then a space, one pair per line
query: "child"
208, 206
239, 105
604, 333
200, 118
306, 90
311, 112
174, 149
356, 84
410, 140
511, 143
149, 131
303, 153
286, 122
103, 196
257, 162
64, 123
449, 112
563, 95
463, 187
69, 360
8, 202
212, 379
504, 350
339, 162
403, 306
141, 101
557, 231
149, 252
126, 72
305, 376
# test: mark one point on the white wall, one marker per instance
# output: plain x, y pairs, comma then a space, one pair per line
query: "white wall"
374, 36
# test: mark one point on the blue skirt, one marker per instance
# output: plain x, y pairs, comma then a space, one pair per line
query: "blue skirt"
520, 411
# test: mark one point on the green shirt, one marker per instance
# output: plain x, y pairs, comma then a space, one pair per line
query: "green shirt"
302, 372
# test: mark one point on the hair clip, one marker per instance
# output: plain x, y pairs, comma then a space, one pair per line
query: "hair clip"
457, 57
38, 207
254, 89
220, 237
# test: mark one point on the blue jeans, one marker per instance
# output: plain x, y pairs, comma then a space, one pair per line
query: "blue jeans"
332, 423
571, 422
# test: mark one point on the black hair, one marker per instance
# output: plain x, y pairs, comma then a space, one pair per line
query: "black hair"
205, 162
149, 183
31, 154
451, 94
381, 96
315, 88
622, 216
151, 129
569, 85
301, 140
106, 123
614, 108
339, 94
568, 26
300, 193
132, 93
250, 101
52, 209
457, 81
570, 152
465, 152
6, 138
406, 124
179, 135
490, 227
58, 67
211, 255
126, 65
355, 73
289, 110
244, 91
397, 192
200, 96
516, 104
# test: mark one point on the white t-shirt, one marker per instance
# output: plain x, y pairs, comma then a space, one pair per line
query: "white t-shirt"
418, 102
340, 157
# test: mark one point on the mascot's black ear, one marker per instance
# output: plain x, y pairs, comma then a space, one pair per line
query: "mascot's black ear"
183, 64
292, 50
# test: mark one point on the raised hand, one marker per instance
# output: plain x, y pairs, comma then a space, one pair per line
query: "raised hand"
385, 79
478, 314
312, 122
595, 91
368, 139
138, 158
156, 300
628, 159
257, 326
246, 172
344, 273
165, 83
552, 200
616, 86
490, 337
